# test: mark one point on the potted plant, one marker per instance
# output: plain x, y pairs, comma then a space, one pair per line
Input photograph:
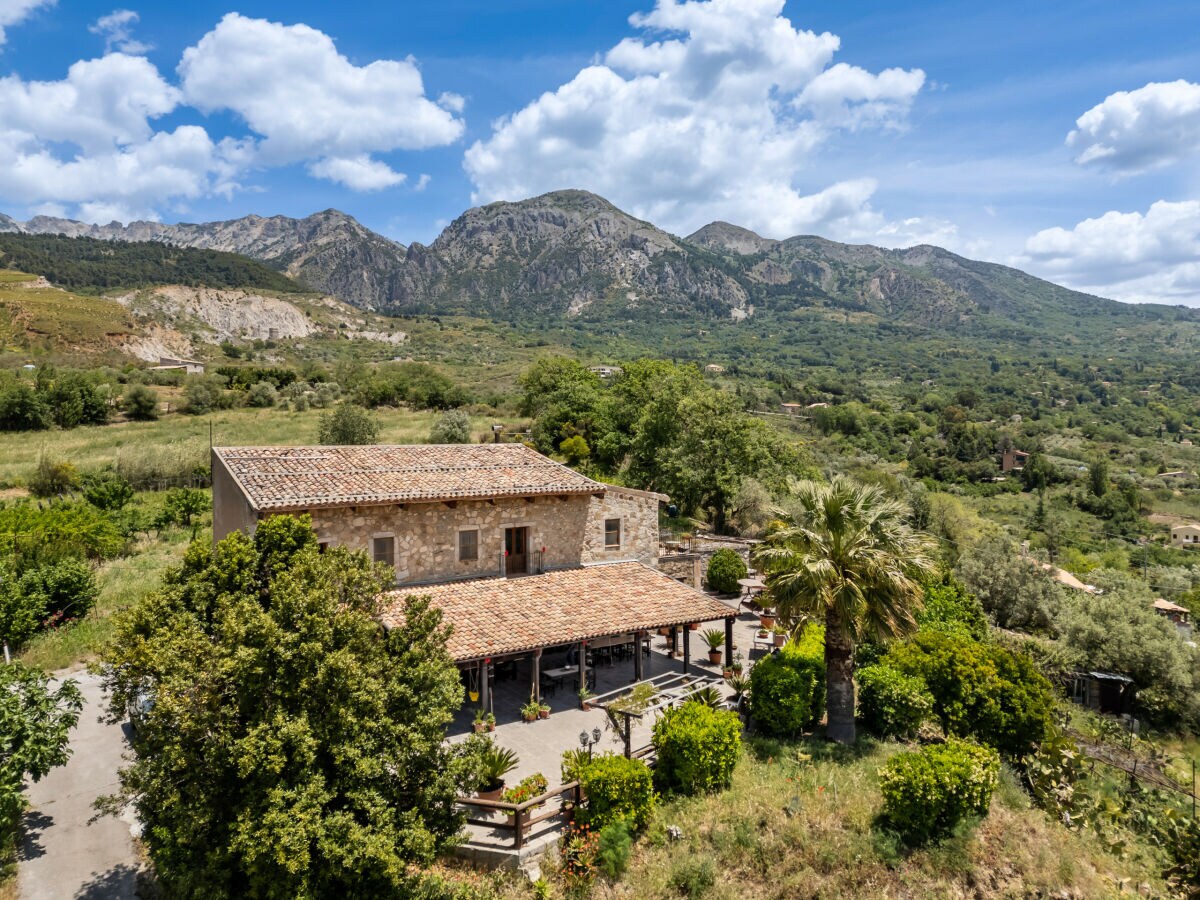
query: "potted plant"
490, 719
781, 635
585, 697
494, 763
693, 626
543, 711
738, 664
766, 619
530, 711
526, 789
715, 638
480, 721
740, 685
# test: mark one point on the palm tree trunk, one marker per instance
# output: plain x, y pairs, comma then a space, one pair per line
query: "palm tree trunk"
839, 680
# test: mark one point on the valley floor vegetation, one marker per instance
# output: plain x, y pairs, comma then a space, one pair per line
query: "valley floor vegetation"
104, 552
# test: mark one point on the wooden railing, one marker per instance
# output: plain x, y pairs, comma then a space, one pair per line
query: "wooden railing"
517, 817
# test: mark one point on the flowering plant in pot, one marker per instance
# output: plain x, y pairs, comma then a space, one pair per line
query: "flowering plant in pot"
526, 789
543, 711
479, 724
530, 711
715, 638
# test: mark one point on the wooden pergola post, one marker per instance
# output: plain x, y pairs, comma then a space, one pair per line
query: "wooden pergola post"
536, 688
485, 687
728, 641
687, 649
582, 665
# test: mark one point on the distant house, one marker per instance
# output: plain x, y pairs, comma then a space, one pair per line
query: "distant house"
817, 406
1013, 458
1185, 536
790, 409
606, 371
1066, 579
1179, 615
172, 364
1181, 475
1185, 443
714, 368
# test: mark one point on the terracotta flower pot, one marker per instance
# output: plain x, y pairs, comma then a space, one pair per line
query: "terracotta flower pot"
491, 726
694, 626
766, 621
714, 657
543, 713
480, 727
493, 794
727, 673
528, 717
780, 640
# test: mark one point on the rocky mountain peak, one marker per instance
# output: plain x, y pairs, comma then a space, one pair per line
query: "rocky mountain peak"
722, 236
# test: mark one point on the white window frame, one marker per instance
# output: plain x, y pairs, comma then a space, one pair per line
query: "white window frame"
395, 550
620, 520
458, 557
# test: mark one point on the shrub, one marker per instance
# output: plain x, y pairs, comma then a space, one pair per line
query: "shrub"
575, 449
66, 587
787, 693
890, 703
347, 424
52, 478
693, 876
183, 505
698, 747
950, 608
205, 394
262, 394
62, 529
21, 409
614, 850
452, 427
617, 790
979, 690
20, 613
724, 570
927, 792
106, 490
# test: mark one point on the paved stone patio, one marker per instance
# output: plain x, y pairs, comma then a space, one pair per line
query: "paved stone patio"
540, 744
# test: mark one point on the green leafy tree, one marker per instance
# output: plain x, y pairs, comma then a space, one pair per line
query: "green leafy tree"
575, 449
452, 427
141, 403
35, 724
183, 505
1098, 476
106, 489
845, 557
1015, 590
347, 424
292, 747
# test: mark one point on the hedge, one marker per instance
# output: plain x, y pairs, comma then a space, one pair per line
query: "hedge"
617, 790
890, 703
927, 792
787, 693
697, 747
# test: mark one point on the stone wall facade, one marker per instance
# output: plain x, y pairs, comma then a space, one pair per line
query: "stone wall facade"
231, 509
562, 532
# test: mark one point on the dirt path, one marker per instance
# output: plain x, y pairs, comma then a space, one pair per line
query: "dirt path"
62, 855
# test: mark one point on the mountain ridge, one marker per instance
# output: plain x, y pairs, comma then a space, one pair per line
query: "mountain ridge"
571, 253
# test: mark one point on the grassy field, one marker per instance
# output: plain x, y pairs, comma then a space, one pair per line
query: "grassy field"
57, 318
800, 821
121, 581
100, 445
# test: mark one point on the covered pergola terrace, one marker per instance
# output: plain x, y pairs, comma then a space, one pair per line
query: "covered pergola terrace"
549, 635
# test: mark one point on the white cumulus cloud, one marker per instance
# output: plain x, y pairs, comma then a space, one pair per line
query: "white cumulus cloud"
89, 140
359, 173
13, 12
308, 102
1132, 131
1133, 256
117, 30
714, 113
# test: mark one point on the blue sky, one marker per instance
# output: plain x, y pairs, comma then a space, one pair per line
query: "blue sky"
1062, 138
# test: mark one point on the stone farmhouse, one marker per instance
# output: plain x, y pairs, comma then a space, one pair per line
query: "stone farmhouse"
1186, 535
523, 555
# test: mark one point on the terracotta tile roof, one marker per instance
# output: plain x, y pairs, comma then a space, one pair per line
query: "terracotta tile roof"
494, 616
285, 478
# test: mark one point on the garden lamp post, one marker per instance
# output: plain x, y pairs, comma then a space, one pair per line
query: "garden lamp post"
587, 741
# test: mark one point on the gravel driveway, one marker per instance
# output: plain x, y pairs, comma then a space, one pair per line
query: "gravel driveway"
63, 856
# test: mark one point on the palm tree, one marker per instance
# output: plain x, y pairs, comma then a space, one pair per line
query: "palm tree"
845, 557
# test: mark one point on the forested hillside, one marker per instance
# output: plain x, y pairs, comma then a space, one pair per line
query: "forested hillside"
94, 266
